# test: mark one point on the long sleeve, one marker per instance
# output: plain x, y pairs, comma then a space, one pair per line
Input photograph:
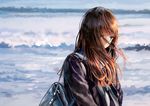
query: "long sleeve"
120, 93
79, 87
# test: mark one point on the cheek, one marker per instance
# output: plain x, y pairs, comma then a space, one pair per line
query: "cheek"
106, 45
108, 39
103, 42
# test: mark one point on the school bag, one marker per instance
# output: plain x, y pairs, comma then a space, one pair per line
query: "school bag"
56, 95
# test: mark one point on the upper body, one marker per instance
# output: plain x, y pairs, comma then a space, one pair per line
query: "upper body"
97, 41
82, 84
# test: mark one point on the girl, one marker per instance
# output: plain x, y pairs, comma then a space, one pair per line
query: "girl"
97, 42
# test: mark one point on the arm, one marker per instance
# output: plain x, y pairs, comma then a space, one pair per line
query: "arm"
78, 84
120, 91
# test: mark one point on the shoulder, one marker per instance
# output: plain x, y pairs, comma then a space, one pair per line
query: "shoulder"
73, 64
72, 57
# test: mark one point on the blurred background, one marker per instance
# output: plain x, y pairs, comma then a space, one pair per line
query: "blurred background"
37, 35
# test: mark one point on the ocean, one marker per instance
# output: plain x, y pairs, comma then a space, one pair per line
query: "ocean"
35, 41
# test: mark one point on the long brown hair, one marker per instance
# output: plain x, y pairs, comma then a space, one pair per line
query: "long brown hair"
99, 22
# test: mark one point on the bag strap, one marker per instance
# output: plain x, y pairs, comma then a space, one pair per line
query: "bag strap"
61, 72
60, 75
82, 65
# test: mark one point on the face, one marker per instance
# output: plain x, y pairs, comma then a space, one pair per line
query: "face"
106, 40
